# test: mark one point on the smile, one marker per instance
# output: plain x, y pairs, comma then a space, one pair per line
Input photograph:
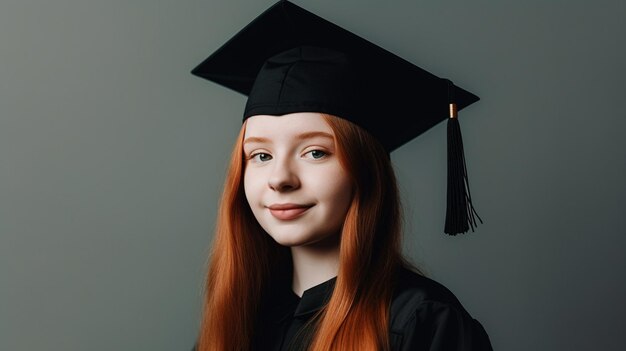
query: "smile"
288, 212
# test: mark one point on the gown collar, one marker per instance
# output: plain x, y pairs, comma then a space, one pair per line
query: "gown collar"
312, 300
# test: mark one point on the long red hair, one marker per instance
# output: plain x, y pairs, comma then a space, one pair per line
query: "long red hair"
244, 259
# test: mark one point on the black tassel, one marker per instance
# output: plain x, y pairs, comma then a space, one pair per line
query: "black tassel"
460, 213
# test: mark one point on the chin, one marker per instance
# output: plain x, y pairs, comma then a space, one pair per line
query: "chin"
303, 239
289, 240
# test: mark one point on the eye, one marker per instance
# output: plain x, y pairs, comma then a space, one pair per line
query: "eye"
316, 154
260, 157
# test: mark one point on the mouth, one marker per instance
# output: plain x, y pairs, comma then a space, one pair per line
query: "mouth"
287, 212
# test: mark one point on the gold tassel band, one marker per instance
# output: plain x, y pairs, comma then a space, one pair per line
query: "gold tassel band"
453, 111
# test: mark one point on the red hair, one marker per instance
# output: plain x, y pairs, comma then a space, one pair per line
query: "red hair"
245, 259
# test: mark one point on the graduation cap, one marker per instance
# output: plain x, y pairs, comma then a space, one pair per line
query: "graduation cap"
290, 60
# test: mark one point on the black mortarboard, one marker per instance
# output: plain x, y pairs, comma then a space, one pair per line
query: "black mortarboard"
289, 60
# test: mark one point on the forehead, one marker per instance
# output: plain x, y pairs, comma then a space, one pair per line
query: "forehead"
286, 125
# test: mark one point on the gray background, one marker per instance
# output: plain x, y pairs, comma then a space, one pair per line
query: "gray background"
112, 158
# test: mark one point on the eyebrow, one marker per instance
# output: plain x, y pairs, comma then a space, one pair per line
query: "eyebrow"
303, 136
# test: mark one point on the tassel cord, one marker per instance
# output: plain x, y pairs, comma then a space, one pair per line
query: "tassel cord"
461, 215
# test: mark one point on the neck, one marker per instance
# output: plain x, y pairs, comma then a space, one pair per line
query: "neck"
314, 264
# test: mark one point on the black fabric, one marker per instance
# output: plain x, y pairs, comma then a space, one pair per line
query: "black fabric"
424, 315
307, 79
287, 320
392, 98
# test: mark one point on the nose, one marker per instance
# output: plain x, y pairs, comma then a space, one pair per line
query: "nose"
284, 176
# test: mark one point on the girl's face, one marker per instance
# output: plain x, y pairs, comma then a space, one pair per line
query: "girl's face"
293, 181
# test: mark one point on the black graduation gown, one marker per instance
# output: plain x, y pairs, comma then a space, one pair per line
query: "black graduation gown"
424, 315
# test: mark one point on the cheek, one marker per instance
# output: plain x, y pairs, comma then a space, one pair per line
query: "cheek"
336, 189
343, 195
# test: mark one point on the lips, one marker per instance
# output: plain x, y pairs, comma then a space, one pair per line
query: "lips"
287, 212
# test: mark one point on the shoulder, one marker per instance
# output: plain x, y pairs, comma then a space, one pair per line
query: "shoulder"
413, 291
424, 312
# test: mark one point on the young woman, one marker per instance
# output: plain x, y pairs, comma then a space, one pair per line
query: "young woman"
307, 250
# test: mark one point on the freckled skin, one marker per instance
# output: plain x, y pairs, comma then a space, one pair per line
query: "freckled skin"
286, 169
